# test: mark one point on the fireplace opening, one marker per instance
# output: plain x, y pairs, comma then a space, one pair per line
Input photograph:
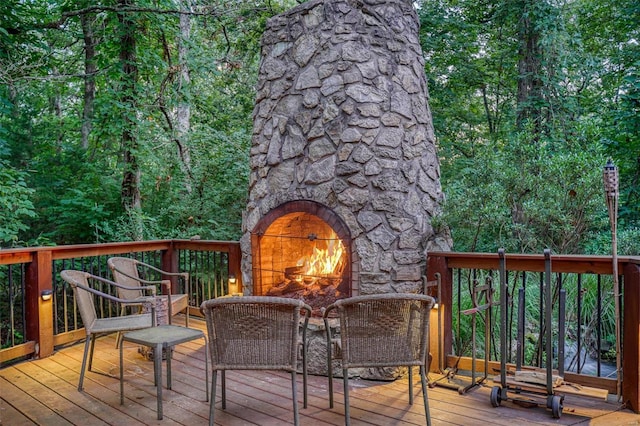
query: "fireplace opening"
300, 255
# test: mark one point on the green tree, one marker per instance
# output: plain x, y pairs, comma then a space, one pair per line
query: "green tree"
15, 202
135, 115
519, 112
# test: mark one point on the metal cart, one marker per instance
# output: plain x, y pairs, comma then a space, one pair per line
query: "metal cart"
499, 393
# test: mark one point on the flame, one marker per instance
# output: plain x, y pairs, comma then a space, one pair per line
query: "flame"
324, 262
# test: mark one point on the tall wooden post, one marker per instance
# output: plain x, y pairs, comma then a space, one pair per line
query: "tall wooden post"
631, 338
39, 311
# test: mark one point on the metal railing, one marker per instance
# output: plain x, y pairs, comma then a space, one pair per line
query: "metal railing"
582, 316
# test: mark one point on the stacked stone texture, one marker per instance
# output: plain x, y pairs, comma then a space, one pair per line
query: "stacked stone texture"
342, 118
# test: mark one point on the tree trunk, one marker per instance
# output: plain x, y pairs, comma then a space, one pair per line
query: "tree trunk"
89, 78
530, 83
131, 180
183, 124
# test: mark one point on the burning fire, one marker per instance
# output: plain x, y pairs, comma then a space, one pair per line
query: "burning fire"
324, 262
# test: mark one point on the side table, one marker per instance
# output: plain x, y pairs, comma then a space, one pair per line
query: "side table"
161, 338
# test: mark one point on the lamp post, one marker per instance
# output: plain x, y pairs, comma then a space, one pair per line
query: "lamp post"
610, 178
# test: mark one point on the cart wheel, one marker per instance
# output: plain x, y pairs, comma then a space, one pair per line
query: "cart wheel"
556, 406
496, 397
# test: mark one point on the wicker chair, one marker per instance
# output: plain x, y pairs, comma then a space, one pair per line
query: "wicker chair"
382, 330
256, 333
130, 272
84, 292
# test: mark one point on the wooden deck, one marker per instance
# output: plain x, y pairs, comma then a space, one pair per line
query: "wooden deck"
45, 392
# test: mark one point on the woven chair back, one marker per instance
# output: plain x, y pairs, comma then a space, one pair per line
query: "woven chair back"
123, 269
84, 298
384, 330
253, 332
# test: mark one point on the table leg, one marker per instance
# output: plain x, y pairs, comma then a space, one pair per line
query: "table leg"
206, 365
121, 375
168, 350
157, 370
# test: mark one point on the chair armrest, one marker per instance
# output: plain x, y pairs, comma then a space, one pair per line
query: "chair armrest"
108, 296
184, 275
151, 288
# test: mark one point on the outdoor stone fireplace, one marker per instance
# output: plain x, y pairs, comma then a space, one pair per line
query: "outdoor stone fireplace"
343, 157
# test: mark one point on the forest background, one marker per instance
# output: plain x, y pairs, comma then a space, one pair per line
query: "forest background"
132, 119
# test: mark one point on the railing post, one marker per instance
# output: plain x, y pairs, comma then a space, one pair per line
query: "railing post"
234, 264
169, 261
438, 264
631, 337
39, 311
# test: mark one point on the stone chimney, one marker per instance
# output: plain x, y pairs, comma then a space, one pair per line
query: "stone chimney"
342, 120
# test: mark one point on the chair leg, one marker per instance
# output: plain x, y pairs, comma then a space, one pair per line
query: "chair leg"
224, 389
123, 310
423, 380
330, 375
304, 376
347, 414
212, 403
410, 385
296, 414
84, 363
93, 344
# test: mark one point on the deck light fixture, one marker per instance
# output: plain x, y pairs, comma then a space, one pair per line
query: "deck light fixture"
46, 295
233, 285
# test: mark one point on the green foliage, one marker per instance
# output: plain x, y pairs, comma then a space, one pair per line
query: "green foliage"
531, 181
78, 188
522, 185
15, 202
627, 239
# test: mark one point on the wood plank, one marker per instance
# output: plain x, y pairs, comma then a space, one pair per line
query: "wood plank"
17, 351
16, 396
537, 377
47, 373
26, 377
8, 411
253, 397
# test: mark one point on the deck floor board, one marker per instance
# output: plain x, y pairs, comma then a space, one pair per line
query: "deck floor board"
45, 392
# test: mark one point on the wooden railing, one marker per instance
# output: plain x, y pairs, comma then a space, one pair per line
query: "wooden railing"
41, 325
30, 272
449, 265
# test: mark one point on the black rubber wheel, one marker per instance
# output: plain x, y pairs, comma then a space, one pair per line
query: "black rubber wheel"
556, 406
550, 401
496, 397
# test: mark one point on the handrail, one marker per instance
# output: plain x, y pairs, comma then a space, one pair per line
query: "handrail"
443, 263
